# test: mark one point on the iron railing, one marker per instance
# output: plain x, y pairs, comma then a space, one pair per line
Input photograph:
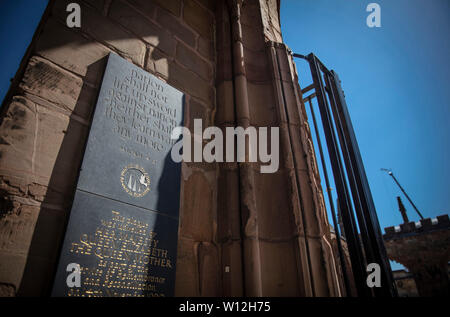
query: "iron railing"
362, 234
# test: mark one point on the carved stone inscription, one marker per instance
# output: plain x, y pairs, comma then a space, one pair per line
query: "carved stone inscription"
130, 140
123, 225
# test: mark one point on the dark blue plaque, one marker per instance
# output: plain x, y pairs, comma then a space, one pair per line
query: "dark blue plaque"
123, 226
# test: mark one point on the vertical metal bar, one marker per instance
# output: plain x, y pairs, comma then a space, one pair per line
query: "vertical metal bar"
368, 208
339, 179
330, 199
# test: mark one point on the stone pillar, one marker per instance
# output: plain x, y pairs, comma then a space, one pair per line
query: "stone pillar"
289, 230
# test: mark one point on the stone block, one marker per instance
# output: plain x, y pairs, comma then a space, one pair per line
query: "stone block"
17, 135
262, 104
297, 148
311, 213
58, 150
228, 213
48, 233
190, 83
16, 231
196, 218
158, 63
279, 271
106, 31
253, 38
187, 275
291, 103
206, 48
142, 27
209, 4
197, 110
43, 253
224, 66
256, 66
172, 6
145, 7
176, 27
389, 231
232, 279
209, 269
51, 83
408, 227
11, 271
225, 103
274, 212
199, 18
72, 51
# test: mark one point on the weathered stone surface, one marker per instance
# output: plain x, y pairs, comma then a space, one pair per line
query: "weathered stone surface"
105, 31
148, 8
224, 67
51, 82
209, 4
191, 60
41, 146
190, 83
206, 48
187, 275
173, 6
72, 51
232, 279
424, 250
59, 148
209, 269
274, 213
225, 103
40, 151
256, 66
196, 219
291, 103
262, 104
142, 27
158, 63
197, 110
7, 290
270, 20
48, 234
16, 231
176, 27
313, 227
252, 38
278, 269
17, 136
228, 214
199, 18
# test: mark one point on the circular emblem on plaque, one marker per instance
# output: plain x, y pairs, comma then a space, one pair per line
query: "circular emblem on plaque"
135, 181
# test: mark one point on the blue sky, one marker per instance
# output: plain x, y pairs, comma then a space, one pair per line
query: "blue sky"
396, 81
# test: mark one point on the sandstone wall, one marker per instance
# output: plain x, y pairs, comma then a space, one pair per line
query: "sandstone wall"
45, 127
241, 232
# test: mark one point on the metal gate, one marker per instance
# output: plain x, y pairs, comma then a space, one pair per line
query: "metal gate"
362, 233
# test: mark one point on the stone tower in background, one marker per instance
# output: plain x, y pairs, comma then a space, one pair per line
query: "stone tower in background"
240, 232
